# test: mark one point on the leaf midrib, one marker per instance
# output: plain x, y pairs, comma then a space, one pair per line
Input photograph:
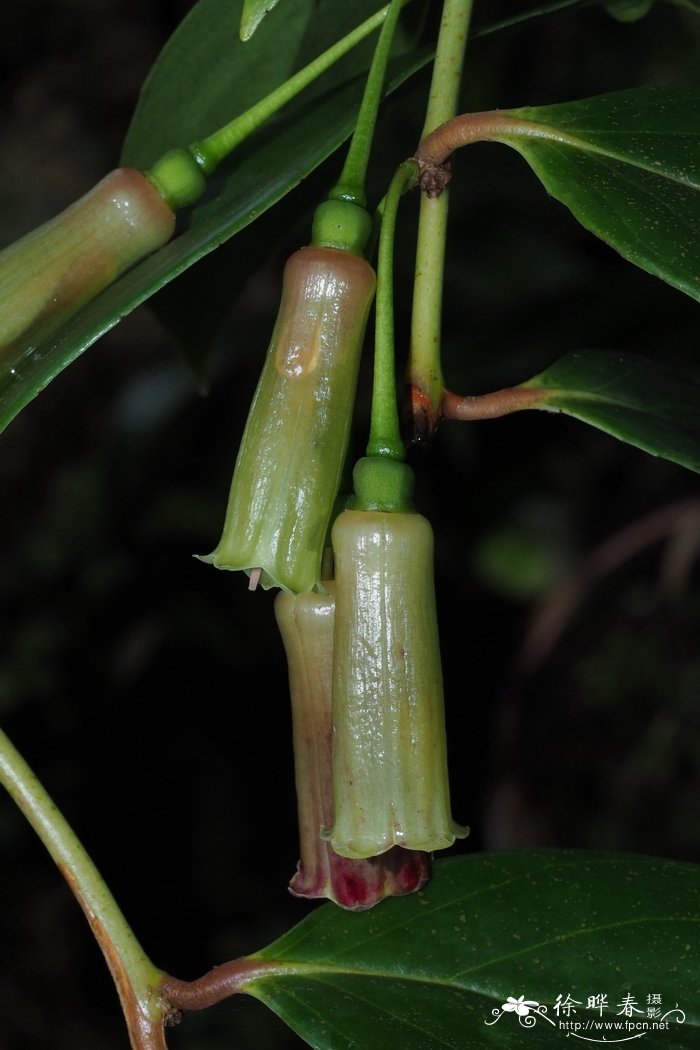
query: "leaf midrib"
283, 968
531, 130
548, 864
586, 396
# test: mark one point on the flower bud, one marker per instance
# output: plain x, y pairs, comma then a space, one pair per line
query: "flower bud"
306, 626
291, 458
390, 783
48, 275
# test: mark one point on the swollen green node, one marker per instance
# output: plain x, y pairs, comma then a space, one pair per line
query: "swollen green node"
383, 484
178, 178
340, 224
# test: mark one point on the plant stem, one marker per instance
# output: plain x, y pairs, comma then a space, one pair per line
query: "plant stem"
424, 369
136, 978
385, 434
351, 185
210, 151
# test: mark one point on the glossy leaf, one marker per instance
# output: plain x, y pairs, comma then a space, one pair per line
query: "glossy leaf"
434, 970
262, 173
203, 77
630, 397
253, 13
628, 167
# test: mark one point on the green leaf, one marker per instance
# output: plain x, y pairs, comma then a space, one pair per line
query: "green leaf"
253, 13
262, 172
630, 397
203, 77
432, 971
628, 10
628, 167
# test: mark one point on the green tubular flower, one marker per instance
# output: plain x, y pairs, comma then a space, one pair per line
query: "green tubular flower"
390, 783
291, 458
306, 625
48, 275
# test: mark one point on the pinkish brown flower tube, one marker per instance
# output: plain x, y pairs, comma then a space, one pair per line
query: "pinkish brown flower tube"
306, 624
54, 270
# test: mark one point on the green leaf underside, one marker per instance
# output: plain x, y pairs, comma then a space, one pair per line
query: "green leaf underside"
426, 971
628, 166
634, 399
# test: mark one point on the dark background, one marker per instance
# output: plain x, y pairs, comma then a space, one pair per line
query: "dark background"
148, 691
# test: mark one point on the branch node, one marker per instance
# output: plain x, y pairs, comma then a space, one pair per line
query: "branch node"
419, 418
433, 178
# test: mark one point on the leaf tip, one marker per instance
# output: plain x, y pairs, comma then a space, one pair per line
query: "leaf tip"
252, 15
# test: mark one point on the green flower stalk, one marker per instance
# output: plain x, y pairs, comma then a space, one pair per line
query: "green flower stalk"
390, 783
293, 449
306, 624
54, 270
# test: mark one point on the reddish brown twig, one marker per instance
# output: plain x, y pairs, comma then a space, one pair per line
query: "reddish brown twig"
143, 1017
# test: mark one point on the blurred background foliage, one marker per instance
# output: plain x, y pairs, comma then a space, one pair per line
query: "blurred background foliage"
149, 691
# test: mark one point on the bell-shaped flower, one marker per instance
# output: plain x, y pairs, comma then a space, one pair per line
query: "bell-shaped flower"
306, 625
390, 783
291, 457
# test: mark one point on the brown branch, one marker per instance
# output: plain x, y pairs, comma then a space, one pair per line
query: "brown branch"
144, 1020
556, 611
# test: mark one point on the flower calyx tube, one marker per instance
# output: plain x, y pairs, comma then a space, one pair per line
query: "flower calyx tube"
46, 276
306, 623
390, 781
291, 457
